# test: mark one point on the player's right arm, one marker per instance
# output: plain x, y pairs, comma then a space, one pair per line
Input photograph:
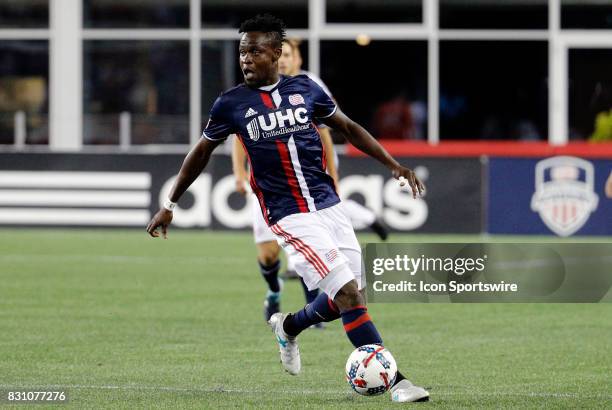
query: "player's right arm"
217, 130
239, 166
192, 167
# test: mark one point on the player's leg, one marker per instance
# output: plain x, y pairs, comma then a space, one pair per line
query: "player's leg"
290, 272
344, 285
351, 301
269, 264
309, 295
268, 260
362, 217
309, 243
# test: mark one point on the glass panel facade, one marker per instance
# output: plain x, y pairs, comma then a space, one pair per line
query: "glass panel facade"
590, 94
390, 100
586, 14
493, 90
219, 69
149, 80
493, 14
230, 13
381, 11
136, 13
24, 14
24, 86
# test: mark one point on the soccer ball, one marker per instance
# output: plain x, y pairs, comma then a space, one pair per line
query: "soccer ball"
371, 370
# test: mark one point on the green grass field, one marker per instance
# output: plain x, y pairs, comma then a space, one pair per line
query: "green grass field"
120, 320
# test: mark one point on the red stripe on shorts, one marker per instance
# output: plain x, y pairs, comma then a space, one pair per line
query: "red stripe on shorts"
304, 249
314, 254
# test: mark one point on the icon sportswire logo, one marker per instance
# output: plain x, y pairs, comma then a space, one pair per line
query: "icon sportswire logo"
280, 122
564, 193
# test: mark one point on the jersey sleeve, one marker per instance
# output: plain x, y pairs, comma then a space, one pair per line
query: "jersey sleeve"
219, 125
323, 105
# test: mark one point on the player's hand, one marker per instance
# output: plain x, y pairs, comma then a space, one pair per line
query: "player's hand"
416, 185
162, 218
609, 186
242, 186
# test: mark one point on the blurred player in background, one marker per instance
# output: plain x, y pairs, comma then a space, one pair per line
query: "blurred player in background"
268, 249
273, 117
290, 63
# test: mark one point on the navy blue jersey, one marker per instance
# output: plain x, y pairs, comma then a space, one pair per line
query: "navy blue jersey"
277, 129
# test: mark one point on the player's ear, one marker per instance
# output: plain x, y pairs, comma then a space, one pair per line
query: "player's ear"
278, 52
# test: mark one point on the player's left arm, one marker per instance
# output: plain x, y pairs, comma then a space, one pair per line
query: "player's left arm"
328, 146
365, 142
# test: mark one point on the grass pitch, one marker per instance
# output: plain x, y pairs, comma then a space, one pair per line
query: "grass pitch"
120, 320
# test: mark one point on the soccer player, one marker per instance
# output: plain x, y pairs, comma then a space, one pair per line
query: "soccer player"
273, 115
268, 250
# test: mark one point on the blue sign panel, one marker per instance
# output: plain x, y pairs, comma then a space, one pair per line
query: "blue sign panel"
563, 196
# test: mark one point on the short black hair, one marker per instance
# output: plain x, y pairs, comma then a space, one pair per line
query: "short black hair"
266, 23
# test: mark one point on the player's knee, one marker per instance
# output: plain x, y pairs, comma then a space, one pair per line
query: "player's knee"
267, 254
349, 296
267, 259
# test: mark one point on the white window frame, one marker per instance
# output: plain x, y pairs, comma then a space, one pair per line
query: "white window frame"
66, 35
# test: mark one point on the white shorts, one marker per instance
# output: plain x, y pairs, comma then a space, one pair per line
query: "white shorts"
261, 230
323, 247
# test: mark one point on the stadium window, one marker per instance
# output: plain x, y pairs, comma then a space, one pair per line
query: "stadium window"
219, 71
493, 14
494, 90
24, 85
586, 14
24, 14
392, 102
149, 80
367, 11
224, 13
590, 94
136, 14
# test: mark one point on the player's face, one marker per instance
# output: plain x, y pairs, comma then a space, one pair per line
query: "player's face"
286, 63
258, 59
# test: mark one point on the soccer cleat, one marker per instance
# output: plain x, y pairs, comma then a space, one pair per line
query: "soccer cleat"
290, 274
380, 230
287, 345
272, 302
270, 307
404, 391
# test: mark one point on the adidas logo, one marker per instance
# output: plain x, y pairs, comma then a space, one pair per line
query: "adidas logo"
250, 113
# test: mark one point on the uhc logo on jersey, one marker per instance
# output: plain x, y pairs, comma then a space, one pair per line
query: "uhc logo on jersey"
279, 122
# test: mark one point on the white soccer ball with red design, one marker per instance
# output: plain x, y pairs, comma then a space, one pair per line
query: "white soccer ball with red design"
371, 370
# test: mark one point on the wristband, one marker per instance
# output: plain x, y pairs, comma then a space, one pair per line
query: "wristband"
169, 205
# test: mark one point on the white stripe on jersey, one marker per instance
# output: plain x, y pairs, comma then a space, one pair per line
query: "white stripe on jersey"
297, 167
277, 98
